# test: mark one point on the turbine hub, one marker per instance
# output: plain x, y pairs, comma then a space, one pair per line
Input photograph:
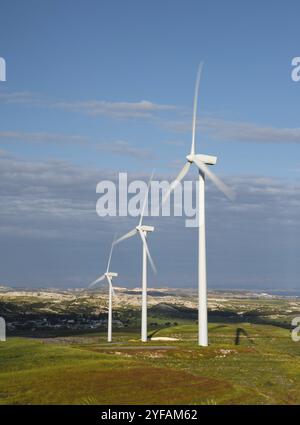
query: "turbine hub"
190, 158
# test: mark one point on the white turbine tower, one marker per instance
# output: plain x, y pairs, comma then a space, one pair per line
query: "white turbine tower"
108, 275
202, 162
143, 231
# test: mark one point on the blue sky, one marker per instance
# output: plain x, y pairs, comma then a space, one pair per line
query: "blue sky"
107, 86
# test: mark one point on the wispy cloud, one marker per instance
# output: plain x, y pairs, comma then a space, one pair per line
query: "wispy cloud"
122, 109
238, 131
218, 128
17, 97
142, 109
123, 148
41, 137
118, 147
249, 132
177, 143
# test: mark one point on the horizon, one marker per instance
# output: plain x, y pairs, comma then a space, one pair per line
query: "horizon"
261, 291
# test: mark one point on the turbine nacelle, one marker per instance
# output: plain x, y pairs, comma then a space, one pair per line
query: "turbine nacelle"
144, 228
207, 159
111, 275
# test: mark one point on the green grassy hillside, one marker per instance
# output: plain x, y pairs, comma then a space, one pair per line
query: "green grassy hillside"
245, 363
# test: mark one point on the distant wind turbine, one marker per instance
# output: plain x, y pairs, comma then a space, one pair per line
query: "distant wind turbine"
201, 162
108, 275
143, 231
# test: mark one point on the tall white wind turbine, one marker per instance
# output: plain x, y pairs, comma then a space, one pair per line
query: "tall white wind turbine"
201, 162
108, 275
142, 231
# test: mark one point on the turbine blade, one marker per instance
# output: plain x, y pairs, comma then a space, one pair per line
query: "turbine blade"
195, 107
229, 193
178, 179
145, 199
147, 250
111, 286
99, 279
126, 236
110, 254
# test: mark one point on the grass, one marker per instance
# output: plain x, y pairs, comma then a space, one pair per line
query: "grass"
244, 364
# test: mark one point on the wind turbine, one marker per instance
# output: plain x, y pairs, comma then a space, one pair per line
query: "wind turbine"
201, 162
108, 275
142, 231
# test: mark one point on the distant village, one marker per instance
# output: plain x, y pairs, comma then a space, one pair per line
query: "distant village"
56, 322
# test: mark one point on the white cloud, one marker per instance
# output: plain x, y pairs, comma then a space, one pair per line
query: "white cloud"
52, 204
